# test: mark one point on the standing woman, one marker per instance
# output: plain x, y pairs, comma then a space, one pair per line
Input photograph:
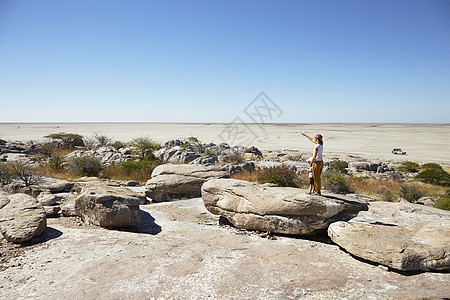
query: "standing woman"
316, 162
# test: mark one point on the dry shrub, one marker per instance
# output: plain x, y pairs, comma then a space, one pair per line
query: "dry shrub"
245, 175
281, 175
48, 171
117, 172
372, 186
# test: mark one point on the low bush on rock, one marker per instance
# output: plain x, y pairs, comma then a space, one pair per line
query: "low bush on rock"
409, 166
118, 144
102, 140
410, 193
235, 156
85, 166
281, 175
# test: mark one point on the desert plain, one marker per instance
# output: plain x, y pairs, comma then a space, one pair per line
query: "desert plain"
181, 252
422, 142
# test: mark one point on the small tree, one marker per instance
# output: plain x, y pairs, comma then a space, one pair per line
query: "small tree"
145, 146
102, 140
24, 172
197, 144
68, 140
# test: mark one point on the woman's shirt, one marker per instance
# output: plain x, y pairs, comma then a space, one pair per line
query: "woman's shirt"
319, 148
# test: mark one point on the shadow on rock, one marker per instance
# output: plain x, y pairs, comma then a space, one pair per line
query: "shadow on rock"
49, 234
147, 225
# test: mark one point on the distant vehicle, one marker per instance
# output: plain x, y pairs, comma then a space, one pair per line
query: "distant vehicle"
398, 151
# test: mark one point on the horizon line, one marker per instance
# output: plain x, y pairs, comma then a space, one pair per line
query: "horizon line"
218, 123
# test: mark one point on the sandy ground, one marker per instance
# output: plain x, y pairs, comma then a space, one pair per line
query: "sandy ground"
422, 142
180, 252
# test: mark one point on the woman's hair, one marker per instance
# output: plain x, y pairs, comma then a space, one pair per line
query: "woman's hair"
319, 137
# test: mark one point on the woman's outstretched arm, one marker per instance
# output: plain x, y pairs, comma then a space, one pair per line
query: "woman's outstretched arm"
307, 136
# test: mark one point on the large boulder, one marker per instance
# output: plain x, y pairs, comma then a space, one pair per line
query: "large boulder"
109, 206
403, 236
282, 210
21, 217
177, 181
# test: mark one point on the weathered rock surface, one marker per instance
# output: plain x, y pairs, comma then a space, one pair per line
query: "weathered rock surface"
21, 217
68, 209
109, 206
403, 236
170, 181
52, 211
48, 199
276, 209
106, 155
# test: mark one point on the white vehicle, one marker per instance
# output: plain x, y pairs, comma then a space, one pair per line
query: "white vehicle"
398, 151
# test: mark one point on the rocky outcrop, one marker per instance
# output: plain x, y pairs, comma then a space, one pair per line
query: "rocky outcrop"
403, 236
283, 210
175, 181
109, 206
21, 217
106, 155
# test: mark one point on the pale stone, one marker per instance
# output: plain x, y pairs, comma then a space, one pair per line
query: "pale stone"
109, 206
403, 236
283, 210
174, 181
22, 218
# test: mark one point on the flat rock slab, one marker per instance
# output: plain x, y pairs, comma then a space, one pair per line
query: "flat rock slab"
403, 236
283, 210
171, 181
188, 260
21, 217
109, 206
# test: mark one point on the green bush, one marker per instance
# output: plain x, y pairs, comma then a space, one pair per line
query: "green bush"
56, 163
410, 193
118, 144
338, 165
386, 195
409, 166
135, 166
281, 175
444, 201
429, 166
434, 174
85, 166
335, 182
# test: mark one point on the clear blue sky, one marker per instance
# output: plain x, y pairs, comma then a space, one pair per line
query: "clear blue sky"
204, 61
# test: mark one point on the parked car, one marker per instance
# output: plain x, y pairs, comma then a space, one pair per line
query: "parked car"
398, 151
